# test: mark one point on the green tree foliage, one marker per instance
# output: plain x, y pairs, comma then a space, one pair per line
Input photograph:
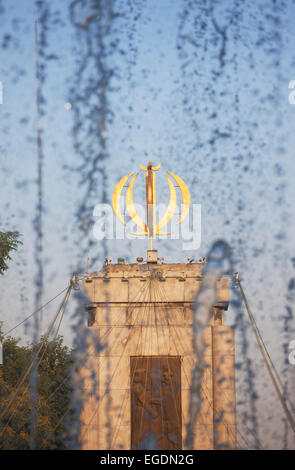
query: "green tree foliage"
53, 394
9, 241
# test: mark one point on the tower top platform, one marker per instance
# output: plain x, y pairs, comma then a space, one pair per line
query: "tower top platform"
173, 282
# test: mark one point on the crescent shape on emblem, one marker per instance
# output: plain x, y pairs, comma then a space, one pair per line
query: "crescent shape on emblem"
116, 197
170, 209
186, 197
130, 206
154, 168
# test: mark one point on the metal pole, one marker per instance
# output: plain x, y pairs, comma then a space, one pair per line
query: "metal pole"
260, 344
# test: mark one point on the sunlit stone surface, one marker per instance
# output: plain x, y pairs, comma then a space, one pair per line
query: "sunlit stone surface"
142, 311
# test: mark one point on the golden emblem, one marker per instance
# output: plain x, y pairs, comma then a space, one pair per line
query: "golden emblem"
151, 227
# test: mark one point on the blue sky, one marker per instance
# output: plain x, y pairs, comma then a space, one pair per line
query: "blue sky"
226, 129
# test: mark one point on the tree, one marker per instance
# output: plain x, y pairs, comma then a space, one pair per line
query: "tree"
53, 394
9, 241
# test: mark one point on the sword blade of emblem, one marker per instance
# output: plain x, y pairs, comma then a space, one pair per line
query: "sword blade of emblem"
151, 200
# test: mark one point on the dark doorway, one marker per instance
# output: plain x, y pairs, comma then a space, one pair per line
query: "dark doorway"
156, 402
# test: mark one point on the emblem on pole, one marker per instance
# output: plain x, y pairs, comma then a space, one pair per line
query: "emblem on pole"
151, 227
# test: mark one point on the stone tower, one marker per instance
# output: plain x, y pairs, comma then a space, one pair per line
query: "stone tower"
142, 314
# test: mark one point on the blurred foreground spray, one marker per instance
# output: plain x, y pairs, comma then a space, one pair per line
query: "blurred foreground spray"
219, 263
